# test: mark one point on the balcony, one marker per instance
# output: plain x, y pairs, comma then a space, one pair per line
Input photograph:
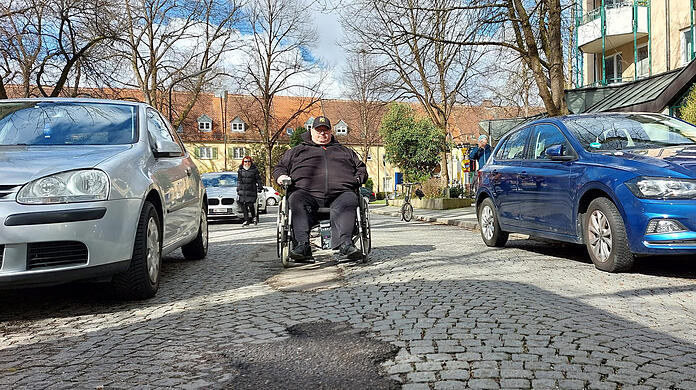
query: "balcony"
619, 26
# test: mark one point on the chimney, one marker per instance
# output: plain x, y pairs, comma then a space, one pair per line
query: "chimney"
487, 103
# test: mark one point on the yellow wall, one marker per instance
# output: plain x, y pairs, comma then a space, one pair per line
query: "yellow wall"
217, 164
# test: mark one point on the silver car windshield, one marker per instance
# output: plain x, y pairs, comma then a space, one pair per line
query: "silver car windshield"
67, 123
219, 180
634, 131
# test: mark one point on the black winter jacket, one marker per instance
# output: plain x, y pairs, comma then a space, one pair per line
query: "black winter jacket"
322, 170
249, 184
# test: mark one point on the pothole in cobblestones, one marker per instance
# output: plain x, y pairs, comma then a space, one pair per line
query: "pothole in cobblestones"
311, 277
317, 355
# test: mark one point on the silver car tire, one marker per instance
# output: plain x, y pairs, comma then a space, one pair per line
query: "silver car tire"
198, 248
142, 278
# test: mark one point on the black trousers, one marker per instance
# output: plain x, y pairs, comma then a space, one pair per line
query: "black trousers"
248, 208
304, 208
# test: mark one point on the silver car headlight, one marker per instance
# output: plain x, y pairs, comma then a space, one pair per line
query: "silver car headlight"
85, 185
662, 188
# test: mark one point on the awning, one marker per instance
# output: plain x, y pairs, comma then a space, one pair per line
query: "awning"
652, 94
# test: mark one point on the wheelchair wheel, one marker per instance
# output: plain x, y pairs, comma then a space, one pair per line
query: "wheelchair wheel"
283, 239
407, 212
363, 238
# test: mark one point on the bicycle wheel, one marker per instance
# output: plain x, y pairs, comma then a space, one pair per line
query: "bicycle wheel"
407, 212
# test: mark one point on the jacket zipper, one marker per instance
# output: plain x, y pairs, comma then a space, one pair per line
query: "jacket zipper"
326, 173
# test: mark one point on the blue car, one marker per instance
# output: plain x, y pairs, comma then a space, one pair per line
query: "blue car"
622, 184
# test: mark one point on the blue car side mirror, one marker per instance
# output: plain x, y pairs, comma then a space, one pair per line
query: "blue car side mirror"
556, 153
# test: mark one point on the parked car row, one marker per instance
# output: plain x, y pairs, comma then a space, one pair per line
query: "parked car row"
622, 184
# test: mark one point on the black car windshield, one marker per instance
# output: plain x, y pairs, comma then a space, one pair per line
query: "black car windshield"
67, 123
633, 131
219, 180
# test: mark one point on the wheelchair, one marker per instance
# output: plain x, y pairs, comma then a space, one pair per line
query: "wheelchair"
320, 233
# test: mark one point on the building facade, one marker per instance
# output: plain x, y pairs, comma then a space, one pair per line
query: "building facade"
625, 40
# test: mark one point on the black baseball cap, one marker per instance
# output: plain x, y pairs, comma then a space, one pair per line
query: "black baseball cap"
321, 121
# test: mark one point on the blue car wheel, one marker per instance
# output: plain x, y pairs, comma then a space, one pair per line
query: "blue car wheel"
605, 237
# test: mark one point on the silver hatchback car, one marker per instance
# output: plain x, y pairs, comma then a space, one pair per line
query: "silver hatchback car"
94, 189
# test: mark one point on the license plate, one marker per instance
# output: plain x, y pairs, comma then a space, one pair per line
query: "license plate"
218, 211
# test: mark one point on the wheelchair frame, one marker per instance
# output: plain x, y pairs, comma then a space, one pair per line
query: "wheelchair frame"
362, 238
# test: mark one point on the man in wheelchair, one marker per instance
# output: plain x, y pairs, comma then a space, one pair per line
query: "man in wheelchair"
324, 173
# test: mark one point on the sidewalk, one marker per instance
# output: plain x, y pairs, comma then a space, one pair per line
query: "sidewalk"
464, 217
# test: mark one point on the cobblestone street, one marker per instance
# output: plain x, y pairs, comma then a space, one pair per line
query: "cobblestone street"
531, 315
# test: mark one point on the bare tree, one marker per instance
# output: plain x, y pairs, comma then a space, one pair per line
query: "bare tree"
46, 41
532, 30
365, 86
431, 71
279, 64
177, 44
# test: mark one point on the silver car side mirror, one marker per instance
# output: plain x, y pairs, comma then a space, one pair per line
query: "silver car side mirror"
166, 148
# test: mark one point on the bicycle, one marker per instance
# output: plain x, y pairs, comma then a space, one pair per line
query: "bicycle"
407, 208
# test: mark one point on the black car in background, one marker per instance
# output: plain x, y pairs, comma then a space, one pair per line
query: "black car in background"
366, 192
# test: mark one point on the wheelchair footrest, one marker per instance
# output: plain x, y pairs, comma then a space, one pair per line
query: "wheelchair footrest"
325, 232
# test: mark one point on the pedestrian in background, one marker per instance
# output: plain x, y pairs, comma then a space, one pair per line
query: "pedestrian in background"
480, 155
249, 185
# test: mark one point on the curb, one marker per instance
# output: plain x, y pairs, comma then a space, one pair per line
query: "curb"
446, 221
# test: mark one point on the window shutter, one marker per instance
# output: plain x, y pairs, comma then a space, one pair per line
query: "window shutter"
214, 152
197, 152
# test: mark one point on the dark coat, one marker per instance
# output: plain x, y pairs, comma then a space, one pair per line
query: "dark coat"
249, 184
324, 171
480, 154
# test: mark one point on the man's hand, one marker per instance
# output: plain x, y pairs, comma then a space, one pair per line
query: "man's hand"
283, 178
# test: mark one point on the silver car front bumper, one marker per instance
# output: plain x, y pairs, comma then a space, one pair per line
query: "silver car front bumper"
51, 244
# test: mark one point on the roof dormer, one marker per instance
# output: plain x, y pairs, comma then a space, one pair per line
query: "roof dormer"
341, 128
238, 125
205, 123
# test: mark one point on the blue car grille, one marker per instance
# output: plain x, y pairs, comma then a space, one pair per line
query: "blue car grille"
53, 253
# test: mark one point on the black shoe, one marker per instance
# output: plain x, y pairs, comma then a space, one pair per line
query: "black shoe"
348, 250
302, 253
245, 223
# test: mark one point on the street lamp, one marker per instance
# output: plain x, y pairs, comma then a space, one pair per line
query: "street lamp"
200, 72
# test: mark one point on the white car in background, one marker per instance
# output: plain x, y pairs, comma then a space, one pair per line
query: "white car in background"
223, 203
272, 196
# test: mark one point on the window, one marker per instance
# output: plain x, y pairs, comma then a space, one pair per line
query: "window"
207, 152
341, 130
204, 126
238, 127
613, 67
387, 183
369, 156
180, 129
289, 131
687, 46
513, 149
642, 65
545, 136
309, 124
239, 153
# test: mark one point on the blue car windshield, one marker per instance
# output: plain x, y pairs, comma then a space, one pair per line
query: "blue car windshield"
66, 123
633, 131
219, 180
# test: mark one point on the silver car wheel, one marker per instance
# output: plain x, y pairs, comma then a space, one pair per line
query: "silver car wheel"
153, 250
271, 202
599, 233
487, 222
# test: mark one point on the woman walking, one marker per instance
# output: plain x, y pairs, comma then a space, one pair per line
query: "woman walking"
249, 184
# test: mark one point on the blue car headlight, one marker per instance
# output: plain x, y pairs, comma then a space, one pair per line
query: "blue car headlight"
662, 188
85, 185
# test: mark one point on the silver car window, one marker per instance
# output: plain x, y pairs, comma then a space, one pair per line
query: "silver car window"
156, 127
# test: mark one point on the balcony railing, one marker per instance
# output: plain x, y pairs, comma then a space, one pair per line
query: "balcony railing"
596, 13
